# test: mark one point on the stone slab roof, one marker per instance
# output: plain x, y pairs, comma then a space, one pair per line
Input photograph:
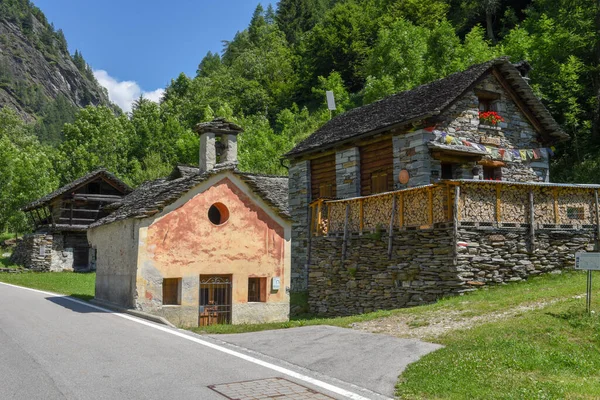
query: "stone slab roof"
99, 173
152, 197
422, 102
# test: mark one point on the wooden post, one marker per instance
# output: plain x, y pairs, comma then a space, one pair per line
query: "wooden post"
319, 216
430, 195
531, 221
311, 212
401, 210
30, 218
456, 202
391, 231
556, 213
345, 243
498, 204
449, 203
597, 221
37, 212
309, 238
362, 217
455, 218
328, 218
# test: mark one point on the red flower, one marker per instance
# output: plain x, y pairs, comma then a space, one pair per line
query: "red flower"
490, 117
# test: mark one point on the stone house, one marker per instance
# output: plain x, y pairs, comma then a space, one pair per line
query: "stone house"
61, 220
432, 191
203, 246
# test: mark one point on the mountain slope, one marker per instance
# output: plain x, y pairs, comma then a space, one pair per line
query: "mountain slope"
36, 68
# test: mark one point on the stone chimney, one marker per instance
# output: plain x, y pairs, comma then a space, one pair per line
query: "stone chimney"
218, 143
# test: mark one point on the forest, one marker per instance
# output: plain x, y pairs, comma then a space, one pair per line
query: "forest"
271, 79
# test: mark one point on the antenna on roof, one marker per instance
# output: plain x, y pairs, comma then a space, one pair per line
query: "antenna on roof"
330, 101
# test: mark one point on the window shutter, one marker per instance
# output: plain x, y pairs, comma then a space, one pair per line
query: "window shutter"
379, 182
326, 190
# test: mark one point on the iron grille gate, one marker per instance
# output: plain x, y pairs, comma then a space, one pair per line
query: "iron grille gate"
215, 300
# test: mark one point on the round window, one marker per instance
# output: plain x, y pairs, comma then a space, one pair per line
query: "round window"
218, 214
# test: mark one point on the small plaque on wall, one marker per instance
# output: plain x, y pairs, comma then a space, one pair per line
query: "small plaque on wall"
489, 140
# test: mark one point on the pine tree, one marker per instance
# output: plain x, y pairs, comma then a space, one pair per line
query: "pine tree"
257, 23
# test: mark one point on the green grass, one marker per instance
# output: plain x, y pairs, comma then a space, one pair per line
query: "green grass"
79, 285
551, 353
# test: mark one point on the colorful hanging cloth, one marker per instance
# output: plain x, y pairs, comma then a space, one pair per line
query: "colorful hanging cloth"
523, 154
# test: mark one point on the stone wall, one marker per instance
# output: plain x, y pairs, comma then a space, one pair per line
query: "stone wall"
411, 153
421, 270
299, 198
462, 120
347, 173
497, 256
428, 264
48, 252
34, 252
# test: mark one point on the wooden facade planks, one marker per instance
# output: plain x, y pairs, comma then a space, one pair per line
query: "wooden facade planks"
376, 159
322, 177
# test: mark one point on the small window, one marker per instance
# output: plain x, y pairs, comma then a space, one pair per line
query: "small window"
492, 173
171, 291
257, 290
575, 213
326, 190
447, 171
218, 214
379, 182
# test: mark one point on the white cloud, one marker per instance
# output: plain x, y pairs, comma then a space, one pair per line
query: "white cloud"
124, 93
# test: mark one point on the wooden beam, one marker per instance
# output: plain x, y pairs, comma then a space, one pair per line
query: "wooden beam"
456, 218
391, 230
556, 212
328, 218
81, 210
37, 212
456, 202
311, 213
346, 233
71, 214
531, 221
498, 204
430, 196
597, 221
401, 211
362, 216
448, 203
319, 216
456, 159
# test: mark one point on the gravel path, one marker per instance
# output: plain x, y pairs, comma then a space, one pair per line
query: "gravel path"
437, 323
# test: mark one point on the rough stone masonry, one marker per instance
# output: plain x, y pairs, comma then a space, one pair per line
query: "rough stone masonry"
429, 264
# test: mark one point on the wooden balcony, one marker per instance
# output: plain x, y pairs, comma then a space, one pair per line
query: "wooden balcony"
482, 204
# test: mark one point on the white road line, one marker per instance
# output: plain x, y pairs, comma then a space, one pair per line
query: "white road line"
293, 374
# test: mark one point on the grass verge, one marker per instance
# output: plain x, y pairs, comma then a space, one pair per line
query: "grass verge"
80, 285
550, 353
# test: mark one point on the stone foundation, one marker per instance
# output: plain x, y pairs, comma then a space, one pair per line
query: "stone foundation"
46, 252
429, 264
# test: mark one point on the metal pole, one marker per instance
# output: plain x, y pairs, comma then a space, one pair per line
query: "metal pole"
588, 299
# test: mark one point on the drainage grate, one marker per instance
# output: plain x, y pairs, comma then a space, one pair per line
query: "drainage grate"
271, 388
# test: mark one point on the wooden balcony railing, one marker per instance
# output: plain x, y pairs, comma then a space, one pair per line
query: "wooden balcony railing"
470, 203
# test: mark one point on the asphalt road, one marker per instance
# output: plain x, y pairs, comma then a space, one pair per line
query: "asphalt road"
53, 347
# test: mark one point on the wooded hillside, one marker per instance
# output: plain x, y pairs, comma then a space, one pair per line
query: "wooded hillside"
272, 76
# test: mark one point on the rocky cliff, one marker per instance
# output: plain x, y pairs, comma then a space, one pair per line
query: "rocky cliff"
36, 67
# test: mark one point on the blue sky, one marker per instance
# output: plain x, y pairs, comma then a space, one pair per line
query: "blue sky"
138, 46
